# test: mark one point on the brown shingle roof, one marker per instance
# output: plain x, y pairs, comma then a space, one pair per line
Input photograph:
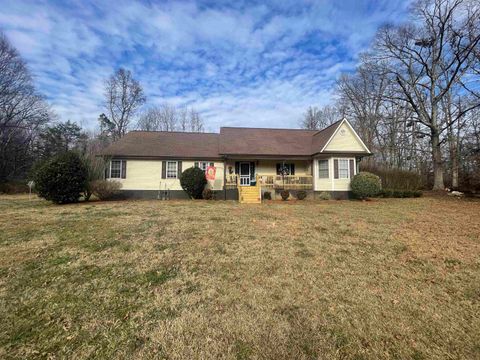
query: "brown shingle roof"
165, 144
230, 141
255, 141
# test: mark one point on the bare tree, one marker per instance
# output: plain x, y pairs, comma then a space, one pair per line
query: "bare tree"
196, 122
429, 57
183, 121
315, 118
23, 112
123, 97
169, 118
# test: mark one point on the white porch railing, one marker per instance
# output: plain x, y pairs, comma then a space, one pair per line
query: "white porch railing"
289, 182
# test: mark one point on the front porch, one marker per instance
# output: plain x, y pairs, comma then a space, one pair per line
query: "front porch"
272, 182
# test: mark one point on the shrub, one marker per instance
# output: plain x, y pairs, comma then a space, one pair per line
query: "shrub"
267, 195
365, 185
389, 193
14, 187
324, 196
301, 194
397, 178
105, 189
95, 171
62, 179
208, 194
193, 182
285, 194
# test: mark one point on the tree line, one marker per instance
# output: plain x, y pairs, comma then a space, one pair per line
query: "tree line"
415, 95
31, 132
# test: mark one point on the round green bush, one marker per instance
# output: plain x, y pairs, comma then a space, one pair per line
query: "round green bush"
365, 185
62, 179
193, 182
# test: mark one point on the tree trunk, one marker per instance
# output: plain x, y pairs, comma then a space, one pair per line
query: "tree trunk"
452, 142
438, 183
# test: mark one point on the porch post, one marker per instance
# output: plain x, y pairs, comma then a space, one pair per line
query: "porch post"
224, 178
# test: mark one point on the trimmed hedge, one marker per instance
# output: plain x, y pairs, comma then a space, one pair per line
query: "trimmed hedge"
193, 182
365, 185
393, 193
62, 179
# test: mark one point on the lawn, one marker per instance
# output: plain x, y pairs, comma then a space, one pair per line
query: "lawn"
394, 278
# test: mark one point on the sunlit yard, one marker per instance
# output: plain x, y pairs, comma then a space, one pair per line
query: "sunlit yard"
394, 278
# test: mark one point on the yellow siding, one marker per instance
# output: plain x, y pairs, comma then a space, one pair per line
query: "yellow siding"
146, 175
142, 175
330, 184
345, 140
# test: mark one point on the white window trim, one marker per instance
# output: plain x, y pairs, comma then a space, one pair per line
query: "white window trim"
176, 170
207, 163
328, 168
350, 176
121, 167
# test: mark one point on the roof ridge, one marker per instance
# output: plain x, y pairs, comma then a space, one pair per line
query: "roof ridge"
176, 131
262, 128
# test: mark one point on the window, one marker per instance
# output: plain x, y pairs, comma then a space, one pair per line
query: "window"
203, 165
289, 169
172, 167
323, 169
343, 170
116, 169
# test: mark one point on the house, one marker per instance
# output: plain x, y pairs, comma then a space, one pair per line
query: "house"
242, 162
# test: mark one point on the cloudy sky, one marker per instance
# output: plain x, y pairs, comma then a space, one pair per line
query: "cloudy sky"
238, 63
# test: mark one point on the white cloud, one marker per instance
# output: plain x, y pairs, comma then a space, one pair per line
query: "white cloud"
246, 65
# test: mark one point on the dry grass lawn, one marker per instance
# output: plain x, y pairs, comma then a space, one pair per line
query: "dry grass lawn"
390, 279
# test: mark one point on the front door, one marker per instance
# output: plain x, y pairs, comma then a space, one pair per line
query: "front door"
245, 174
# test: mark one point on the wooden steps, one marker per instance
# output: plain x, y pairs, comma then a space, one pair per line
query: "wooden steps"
249, 195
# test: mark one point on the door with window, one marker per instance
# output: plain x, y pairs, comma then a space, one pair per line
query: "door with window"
245, 174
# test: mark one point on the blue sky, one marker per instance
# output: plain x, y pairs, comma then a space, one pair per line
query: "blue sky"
239, 63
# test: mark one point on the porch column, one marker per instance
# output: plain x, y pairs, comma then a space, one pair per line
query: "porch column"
224, 179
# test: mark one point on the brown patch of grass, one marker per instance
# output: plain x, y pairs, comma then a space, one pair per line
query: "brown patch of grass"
395, 278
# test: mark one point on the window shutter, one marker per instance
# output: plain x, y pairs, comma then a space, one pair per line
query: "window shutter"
335, 168
124, 169
292, 169
279, 167
237, 167
195, 164
252, 171
179, 168
352, 169
107, 170
164, 169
